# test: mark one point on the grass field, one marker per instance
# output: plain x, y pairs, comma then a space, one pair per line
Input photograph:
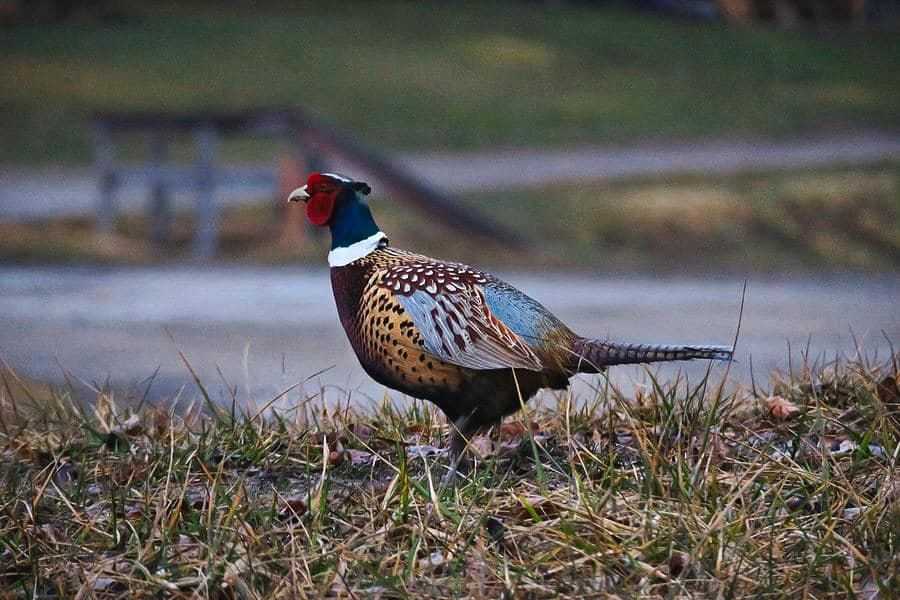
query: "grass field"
678, 492
407, 75
837, 219
813, 220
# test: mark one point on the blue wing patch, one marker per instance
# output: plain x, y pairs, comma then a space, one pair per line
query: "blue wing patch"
459, 329
524, 315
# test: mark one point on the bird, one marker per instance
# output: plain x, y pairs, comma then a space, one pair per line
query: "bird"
461, 338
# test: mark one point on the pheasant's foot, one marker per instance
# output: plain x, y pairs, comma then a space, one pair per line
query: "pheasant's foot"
450, 478
456, 471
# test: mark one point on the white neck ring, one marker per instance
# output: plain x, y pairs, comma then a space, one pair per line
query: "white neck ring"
347, 254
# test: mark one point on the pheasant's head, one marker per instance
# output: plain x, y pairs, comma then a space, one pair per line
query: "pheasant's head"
332, 201
324, 193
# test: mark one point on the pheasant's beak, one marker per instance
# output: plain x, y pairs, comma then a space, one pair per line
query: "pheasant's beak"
299, 194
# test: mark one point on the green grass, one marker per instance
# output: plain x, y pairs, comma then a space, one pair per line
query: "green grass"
406, 75
837, 219
679, 491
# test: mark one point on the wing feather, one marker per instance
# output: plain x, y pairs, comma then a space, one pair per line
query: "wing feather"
459, 328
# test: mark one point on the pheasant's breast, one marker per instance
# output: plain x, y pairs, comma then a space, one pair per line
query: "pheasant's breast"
390, 342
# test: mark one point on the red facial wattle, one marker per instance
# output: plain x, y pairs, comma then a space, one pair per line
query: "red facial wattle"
320, 207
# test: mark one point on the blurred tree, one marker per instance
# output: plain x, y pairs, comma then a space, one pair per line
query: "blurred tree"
787, 13
784, 13
55, 11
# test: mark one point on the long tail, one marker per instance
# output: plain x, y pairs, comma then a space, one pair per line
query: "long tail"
592, 355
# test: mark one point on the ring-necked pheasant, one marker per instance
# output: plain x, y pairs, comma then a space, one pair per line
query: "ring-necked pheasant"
445, 332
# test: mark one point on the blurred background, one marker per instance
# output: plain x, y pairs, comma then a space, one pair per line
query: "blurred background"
627, 163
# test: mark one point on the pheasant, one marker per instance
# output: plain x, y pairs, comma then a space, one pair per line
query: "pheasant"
445, 332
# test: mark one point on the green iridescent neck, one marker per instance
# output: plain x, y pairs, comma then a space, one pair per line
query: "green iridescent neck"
352, 221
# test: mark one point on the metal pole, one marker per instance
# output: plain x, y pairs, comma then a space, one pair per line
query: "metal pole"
104, 151
206, 237
159, 212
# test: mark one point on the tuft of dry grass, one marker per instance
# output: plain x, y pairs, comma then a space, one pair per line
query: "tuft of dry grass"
679, 491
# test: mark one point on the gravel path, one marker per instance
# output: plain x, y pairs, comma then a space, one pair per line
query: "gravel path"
268, 328
31, 194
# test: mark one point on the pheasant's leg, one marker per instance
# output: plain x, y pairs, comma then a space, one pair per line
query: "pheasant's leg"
461, 432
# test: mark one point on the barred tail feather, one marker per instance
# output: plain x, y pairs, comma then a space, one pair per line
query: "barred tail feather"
593, 355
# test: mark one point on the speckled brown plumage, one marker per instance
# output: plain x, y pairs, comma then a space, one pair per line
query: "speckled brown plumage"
445, 332
392, 351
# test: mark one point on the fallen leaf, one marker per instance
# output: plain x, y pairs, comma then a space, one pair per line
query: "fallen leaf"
160, 422
360, 457
375, 592
65, 474
248, 534
892, 491
781, 408
336, 457
844, 447
97, 511
482, 445
869, 590
100, 584
677, 563
852, 512
876, 450
512, 430
419, 450
432, 563
496, 530
187, 548
336, 442
888, 390
53, 534
362, 431
196, 497
508, 449
719, 450
713, 443
339, 587
294, 505
130, 426
807, 504
889, 393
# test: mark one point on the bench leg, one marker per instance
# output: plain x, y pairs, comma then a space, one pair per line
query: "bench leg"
206, 237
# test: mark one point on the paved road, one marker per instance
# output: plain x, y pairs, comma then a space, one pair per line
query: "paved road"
34, 194
268, 328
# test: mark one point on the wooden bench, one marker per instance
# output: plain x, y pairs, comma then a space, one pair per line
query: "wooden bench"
162, 177
309, 139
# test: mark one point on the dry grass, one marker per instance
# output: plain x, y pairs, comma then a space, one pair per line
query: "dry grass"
679, 492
